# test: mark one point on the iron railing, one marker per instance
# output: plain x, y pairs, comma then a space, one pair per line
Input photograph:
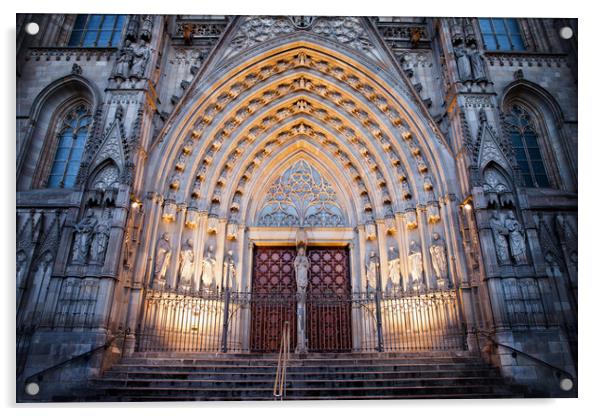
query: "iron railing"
283, 355
227, 321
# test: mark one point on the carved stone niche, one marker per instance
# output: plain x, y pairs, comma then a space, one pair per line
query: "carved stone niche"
212, 225
232, 231
192, 218
432, 212
410, 219
370, 231
170, 210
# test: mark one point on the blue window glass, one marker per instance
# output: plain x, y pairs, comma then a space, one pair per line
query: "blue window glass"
71, 142
501, 34
526, 147
97, 30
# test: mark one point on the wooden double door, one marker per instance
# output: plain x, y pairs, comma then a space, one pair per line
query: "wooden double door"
273, 299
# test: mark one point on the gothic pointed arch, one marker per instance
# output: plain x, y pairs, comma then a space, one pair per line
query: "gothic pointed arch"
38, 147
541, 112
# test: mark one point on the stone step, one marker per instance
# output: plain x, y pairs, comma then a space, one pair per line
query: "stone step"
365, 374
300, 368
309, 383
201, 393
134, 398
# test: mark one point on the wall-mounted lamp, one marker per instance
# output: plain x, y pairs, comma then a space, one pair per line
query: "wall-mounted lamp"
135, 203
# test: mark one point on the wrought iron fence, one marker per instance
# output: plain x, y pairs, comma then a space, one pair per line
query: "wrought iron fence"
227, 321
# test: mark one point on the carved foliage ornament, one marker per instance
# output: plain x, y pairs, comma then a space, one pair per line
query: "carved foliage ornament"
258, 29
301, 197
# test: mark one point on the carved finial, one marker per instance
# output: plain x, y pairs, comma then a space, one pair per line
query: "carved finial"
76, 69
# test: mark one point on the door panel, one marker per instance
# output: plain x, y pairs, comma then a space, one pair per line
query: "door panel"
328, 298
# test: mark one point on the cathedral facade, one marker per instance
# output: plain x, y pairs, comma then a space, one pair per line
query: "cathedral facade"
201, 184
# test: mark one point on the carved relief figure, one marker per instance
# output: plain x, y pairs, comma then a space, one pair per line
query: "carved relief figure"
229, 271
476, 64
141, 55
162, 260
208, 269
394, 269
499, 238
100, 241
415, 263
517, 239
83, 237
301, 270
372, 272
124, 61
463, 63
186, 265
439, 260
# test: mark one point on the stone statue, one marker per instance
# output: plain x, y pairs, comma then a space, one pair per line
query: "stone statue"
499, 238
124, 61
517, 239
463, 63
301, 270
476, 64
415, 263
83, 237
140, 59
100, 242
372, 272
162, 260
230, 271
439, 260
208, 269
394, 269
186, 265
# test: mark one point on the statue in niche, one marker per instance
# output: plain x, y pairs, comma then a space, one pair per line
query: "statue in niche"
83, 237
415, 263
499, 238
516, 234
229, 272
100, 240
463, 63
439, 260
394, 269
186, 265
124, 61
208, 269
372, 272
141, 55
476, 64
162, 260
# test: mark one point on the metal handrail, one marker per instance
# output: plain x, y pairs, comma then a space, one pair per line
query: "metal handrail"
517, 351
283, 356
38, 376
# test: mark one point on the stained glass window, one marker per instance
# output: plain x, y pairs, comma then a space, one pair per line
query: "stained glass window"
71, 141
525, 142
501, 34
97, 30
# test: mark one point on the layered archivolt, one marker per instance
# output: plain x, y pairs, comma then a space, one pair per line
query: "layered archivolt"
362, 122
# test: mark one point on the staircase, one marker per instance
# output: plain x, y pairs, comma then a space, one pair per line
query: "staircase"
185, 377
